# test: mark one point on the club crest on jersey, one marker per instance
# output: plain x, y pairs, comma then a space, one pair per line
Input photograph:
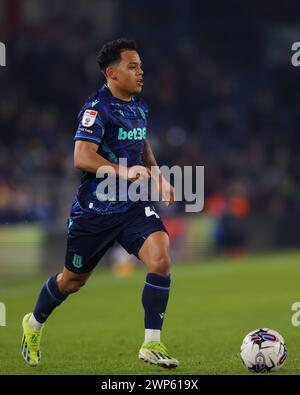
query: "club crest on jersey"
89, 118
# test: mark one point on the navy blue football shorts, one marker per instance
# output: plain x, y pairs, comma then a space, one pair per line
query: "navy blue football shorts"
90, 234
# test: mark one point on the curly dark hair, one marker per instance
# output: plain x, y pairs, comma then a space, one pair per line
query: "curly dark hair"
111, 52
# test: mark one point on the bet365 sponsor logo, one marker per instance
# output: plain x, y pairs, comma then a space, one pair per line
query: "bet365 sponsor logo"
2, 55
134, 134
2, 314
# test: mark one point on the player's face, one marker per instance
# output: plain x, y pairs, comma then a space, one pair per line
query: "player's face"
128, 72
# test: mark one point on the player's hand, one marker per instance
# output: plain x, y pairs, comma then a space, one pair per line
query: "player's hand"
167, 191
138, 173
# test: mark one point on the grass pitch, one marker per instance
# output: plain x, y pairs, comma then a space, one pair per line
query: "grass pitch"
211, 308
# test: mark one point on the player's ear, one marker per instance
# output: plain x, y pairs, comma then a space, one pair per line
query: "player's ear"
110, 72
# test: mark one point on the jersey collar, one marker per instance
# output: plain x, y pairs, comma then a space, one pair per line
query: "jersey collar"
108, 93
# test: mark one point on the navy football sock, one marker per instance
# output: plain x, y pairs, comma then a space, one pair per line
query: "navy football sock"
155, 299
49, 298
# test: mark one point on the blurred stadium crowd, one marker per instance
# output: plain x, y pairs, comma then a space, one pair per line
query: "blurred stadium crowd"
220, 91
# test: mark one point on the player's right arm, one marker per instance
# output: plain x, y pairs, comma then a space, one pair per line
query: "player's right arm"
88, 138
87, 159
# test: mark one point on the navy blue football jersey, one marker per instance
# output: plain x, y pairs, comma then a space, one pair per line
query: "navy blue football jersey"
119, 128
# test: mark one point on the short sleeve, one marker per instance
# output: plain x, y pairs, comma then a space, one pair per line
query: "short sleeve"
90, 126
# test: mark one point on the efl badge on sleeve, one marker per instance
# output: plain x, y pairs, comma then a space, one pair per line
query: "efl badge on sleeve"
89, 118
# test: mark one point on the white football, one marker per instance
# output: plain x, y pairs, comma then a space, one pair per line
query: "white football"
263, 350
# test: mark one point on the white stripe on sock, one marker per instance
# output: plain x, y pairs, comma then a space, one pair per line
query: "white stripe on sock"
152, 335
34, 324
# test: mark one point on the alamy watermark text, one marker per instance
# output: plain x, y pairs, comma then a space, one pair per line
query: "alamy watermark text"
2, 54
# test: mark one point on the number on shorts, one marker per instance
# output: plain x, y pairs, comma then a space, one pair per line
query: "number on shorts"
150, 212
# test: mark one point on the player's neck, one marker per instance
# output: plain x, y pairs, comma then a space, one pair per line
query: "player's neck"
119, 93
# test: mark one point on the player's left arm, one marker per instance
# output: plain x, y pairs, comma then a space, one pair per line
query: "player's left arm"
166, 190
